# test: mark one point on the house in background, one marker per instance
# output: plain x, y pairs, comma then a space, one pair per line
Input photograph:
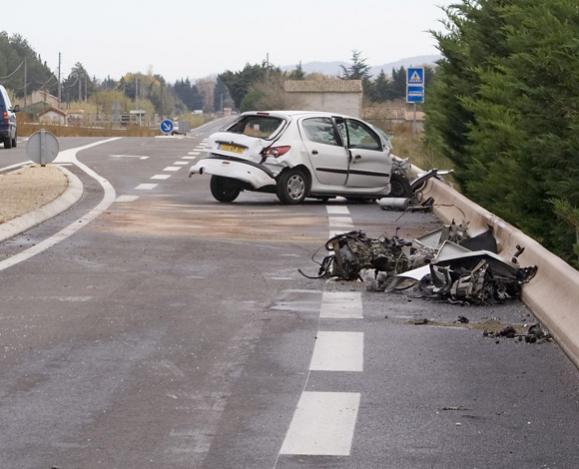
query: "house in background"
52, 116
339, 96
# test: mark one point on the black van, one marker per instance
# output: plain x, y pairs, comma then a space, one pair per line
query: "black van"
7, 119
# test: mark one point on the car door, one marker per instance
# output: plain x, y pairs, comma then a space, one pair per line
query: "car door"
326, 152
370, 163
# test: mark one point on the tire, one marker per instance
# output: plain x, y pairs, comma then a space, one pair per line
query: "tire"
224, 189
8, 143
14, 141
399, 186
292, 187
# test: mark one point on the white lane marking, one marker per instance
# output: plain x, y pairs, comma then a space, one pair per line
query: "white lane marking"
341, 305
323, 424
334, 233
14, 166
126, 198
140, 157
172, 168
194, 153
337, 210
107, 200
161, 177
340, 222
146, 186
189, 158
281, 278
180, 163
338, 351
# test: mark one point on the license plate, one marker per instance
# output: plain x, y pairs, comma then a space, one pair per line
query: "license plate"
231, 148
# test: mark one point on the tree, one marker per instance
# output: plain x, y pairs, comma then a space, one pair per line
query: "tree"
359, 70
504, 107
297, 73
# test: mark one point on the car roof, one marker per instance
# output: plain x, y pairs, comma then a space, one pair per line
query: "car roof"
285, 114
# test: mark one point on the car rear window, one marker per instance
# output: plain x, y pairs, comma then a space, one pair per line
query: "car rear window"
256, 126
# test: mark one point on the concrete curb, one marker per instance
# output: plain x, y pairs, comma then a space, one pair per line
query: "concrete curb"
24, 222
553, 295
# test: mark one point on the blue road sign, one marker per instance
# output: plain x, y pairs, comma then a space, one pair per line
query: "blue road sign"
167, 126
415, 85
415, 76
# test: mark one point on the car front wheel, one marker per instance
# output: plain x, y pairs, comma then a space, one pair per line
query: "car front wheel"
399, 186
224, 189
292, 187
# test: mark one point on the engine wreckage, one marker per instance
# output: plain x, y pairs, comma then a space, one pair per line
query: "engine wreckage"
446, 264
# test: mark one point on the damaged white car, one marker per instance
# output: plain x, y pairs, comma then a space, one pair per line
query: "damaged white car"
299, 154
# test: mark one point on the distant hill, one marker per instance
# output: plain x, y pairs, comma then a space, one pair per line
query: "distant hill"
333, 68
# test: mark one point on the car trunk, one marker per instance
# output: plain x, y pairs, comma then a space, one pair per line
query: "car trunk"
238, 145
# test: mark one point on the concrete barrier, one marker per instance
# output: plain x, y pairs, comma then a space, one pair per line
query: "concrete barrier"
553, 295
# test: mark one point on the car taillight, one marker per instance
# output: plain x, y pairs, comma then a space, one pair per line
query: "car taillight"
276, 152
5, 116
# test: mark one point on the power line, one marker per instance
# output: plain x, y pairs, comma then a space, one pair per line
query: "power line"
17, 68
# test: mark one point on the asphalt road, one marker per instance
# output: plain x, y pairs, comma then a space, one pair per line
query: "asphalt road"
175, 332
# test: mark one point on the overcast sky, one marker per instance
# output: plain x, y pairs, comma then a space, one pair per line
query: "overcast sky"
183, 38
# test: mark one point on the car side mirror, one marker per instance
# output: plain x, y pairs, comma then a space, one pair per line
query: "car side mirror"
16, 108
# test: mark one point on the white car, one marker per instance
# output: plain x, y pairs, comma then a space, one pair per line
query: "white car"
298, 154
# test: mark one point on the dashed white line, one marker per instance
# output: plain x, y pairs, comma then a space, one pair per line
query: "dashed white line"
180, 163
189, 158
341, 305
323, 424
140, 157
160, 177
172, 168
126, 198
338, 351
194, 153
340, 222
337, 210
146, 186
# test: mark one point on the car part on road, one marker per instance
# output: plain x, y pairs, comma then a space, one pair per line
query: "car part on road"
438, 265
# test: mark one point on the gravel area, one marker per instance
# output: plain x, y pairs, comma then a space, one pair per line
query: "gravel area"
29, 188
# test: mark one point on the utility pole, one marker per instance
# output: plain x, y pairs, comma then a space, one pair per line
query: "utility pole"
25, 80
79, 86
59, 82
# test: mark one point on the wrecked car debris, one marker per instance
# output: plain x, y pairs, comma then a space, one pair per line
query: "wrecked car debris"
534, 334
446, 264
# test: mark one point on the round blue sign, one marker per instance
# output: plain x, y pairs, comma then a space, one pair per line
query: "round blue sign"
167, 126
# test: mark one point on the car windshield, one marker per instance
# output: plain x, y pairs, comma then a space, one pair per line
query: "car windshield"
256, 126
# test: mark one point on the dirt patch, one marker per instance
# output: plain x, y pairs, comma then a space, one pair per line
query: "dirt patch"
29, 188
162, 218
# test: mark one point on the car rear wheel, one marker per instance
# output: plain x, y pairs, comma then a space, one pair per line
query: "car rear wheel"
8, 142
14, 141
224, 189
399, 186
292, 187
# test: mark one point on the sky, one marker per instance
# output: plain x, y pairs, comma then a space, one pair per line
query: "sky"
194, 39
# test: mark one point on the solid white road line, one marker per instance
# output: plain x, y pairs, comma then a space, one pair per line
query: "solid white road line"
338, 351
126, 198
323, 424
180, 163
337, 210
340, 222
341, 305
16, 165
107, 200
160, 177
172, 168
140, 157
146, 186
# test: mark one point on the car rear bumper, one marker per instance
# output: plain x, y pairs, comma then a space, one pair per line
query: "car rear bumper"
5, 131
256, 175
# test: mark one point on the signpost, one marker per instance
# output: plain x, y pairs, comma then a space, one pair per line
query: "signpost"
167, 126
415, 90
42, 147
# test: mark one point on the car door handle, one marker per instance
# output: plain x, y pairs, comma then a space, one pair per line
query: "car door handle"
358, 157
314, 152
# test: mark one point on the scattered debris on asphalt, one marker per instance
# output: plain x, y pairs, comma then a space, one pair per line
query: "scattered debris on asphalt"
531, 334
446, 264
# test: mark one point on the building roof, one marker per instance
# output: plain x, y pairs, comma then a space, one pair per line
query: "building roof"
52, 109
323, 86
